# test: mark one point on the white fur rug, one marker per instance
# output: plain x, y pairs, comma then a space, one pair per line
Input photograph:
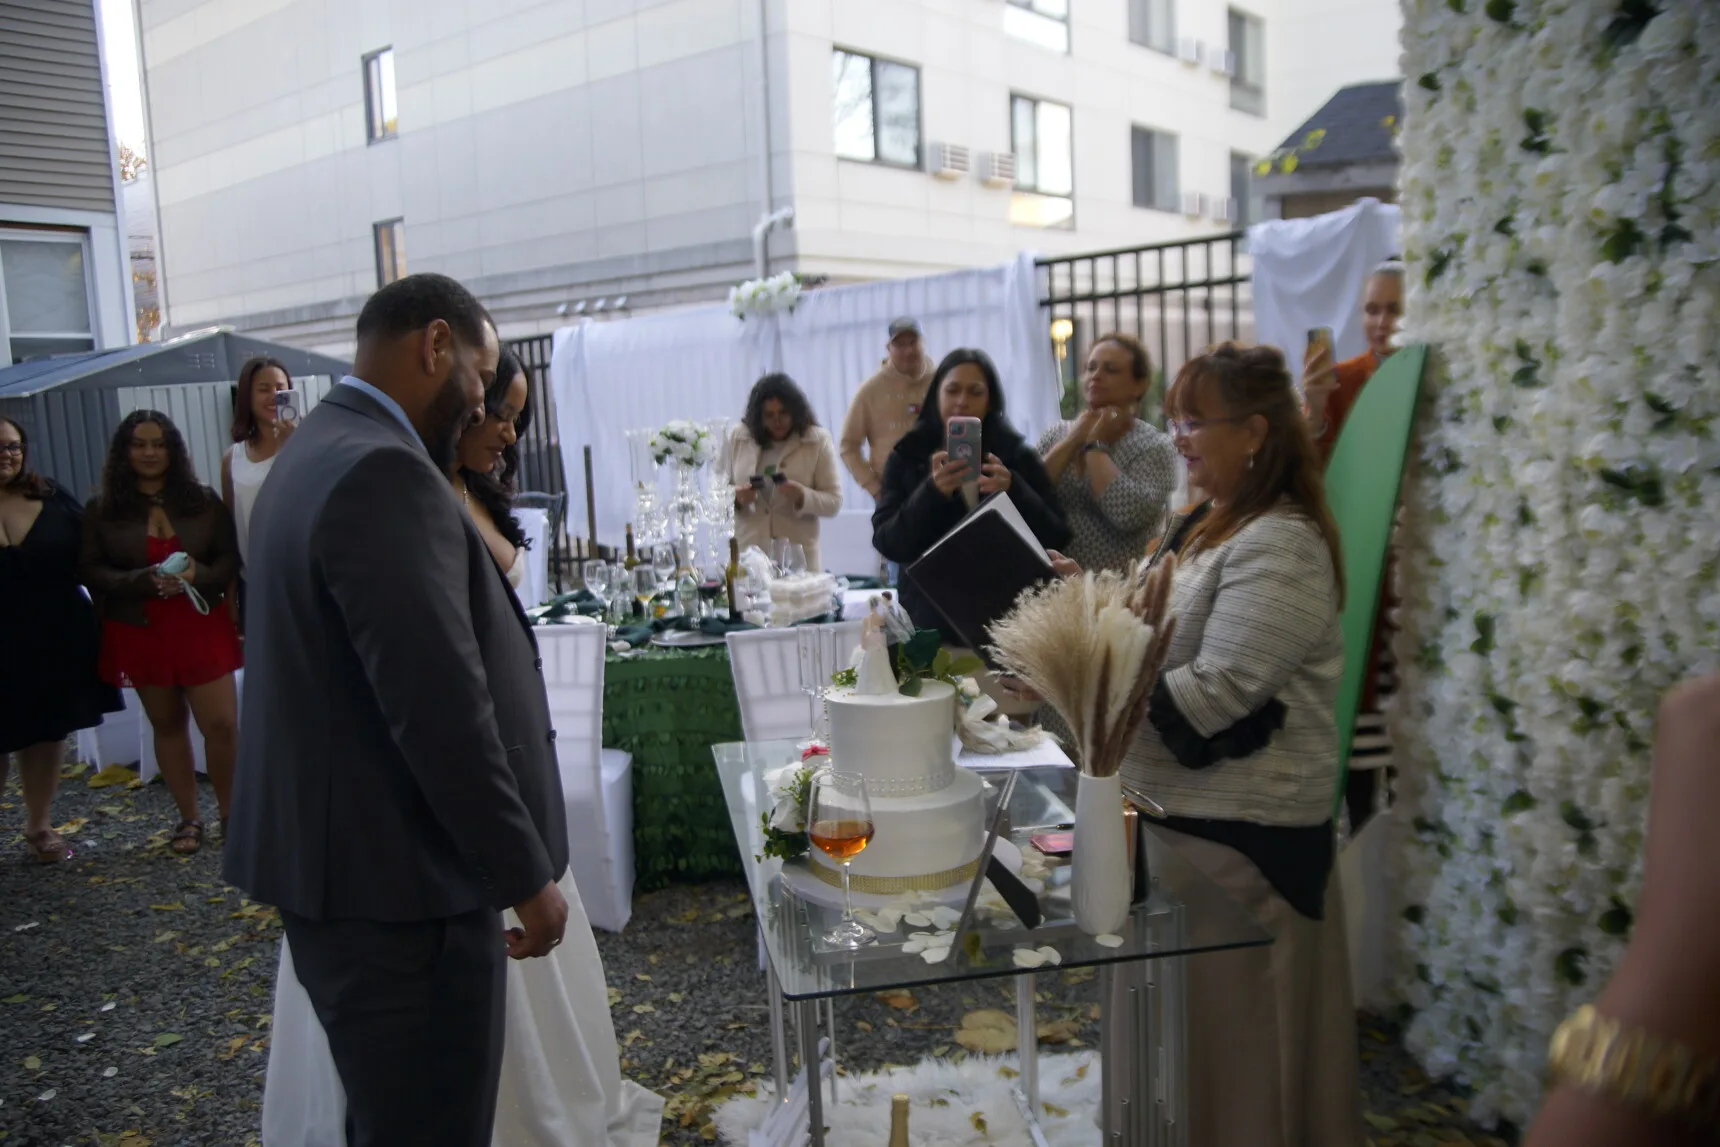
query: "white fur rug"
950, 1105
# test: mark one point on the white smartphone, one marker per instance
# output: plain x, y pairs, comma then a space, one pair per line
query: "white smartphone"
289, 406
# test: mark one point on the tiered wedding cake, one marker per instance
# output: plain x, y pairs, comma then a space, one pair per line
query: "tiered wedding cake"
928, 815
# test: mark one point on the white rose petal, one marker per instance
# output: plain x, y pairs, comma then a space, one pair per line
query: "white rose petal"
109, 1072
1027, 958
1108, 940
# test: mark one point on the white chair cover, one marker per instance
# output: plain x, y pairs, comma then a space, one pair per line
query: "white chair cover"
765, 664
534, 590
597, 783
115, 741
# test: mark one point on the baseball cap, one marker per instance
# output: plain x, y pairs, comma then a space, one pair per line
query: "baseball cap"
904, 325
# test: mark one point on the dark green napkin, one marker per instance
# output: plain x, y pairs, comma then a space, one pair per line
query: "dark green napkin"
580, 602
857, 581
640, 634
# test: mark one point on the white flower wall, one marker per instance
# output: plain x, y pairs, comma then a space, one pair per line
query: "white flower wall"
1562, 518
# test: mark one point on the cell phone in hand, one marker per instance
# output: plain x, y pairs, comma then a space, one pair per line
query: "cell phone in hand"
1321, 338
779, 477
963, 444
289, 406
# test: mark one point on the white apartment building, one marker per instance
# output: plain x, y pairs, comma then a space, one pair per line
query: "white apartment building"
605, 156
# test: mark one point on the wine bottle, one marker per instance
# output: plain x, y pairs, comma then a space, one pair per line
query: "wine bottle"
898, 1121
632, 558
731, 576
687, 594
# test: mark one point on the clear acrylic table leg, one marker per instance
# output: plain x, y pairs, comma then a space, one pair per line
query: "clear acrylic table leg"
778, 1037
812, 1067
1027, 1040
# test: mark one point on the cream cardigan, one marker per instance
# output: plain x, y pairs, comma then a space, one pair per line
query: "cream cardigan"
809, 459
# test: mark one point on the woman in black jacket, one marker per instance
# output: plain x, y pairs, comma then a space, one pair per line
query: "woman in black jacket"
921, 499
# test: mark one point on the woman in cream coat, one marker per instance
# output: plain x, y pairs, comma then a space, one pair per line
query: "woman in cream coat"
782, 465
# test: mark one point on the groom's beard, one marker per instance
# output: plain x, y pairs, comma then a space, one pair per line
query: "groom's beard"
444, 422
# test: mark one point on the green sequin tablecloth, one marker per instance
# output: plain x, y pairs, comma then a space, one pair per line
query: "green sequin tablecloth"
667, 707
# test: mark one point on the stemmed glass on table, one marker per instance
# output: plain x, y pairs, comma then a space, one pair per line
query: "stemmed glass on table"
644, 585
839, 824
596, 573
816, 647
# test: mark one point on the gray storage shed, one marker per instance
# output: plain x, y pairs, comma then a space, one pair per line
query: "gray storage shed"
70, 405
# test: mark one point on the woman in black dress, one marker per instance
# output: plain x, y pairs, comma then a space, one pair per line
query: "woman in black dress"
48, 676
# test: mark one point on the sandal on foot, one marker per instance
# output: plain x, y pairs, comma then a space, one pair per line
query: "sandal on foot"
187, 838
47, 847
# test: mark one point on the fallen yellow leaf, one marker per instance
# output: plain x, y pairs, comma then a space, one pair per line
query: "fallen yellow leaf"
987, 1030
111, 775
175, 906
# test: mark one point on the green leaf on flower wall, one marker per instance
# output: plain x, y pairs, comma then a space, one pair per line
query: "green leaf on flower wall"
1414, 913
1458, 6
1575, 817
1519, 801
1569, 966
1505, 226
1423, 974
1500, 423
1437, 264
1508, 914
1536, 121
1483, 643
1623, 241
1501, 10
1430, 81
1527, 579
1616, 920
1502, 705
1633, 16
1473, 1028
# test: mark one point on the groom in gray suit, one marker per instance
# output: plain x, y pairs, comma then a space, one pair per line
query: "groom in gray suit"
396, 784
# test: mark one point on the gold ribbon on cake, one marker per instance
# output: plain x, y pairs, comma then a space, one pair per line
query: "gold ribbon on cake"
891, 885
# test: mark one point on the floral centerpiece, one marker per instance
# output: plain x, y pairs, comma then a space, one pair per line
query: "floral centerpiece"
765, 296
687, 444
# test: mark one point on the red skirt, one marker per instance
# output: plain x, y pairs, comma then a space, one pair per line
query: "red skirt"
178, 648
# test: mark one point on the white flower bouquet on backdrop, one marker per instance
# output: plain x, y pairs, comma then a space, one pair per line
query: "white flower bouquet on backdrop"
686, 444
765, 296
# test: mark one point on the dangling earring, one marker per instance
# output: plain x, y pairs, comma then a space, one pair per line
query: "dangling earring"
1251, 461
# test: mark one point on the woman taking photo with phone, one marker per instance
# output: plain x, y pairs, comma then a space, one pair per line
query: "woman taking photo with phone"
48, 682
922, 496
158, 553
1114, 472
782, 465
259, 432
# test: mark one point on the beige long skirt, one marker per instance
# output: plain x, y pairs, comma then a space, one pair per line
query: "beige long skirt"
1272, 1058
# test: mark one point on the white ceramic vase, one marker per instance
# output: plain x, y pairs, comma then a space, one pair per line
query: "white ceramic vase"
1099, 880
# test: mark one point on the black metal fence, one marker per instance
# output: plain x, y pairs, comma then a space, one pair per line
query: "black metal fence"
1177, 298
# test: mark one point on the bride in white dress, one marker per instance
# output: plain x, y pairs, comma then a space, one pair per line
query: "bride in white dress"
561, 1083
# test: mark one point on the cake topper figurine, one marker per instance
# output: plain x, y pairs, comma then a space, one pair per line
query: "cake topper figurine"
874, 675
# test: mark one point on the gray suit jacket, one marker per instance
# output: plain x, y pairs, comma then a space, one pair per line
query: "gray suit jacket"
395, 750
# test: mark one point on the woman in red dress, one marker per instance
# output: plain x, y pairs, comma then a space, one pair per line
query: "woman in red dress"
162, 634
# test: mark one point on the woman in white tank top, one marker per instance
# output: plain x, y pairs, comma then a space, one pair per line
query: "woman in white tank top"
258, 434
486, 467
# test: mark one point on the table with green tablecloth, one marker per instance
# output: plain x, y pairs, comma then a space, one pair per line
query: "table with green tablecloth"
667, 707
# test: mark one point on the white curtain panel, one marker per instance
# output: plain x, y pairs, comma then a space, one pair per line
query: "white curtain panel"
1310, 273
612, 377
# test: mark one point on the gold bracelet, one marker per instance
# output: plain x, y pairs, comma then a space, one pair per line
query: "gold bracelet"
1628, 1065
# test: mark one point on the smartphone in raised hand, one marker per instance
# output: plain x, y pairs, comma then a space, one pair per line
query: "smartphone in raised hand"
962, 443
289, 406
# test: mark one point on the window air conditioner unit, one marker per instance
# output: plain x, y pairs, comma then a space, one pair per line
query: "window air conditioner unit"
1193, 204
1222, 61
1190, 50
1224, 210
949, 161
998, 169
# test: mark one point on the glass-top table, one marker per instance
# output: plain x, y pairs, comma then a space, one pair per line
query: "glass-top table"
1180, 914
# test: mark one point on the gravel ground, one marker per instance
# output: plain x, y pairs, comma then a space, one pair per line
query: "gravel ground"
135, 995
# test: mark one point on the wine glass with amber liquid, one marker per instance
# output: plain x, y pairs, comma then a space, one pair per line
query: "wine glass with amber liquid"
839, 823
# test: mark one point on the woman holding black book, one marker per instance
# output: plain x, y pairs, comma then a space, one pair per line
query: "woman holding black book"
922, 497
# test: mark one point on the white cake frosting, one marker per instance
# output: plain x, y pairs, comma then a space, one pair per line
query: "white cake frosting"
927, 815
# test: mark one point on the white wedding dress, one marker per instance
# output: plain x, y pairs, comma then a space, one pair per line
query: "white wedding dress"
561, 1071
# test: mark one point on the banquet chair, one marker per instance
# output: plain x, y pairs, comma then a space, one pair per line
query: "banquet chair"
765, 664
596, 783
116, 740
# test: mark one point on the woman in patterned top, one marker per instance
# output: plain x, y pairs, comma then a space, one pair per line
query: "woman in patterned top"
1113, 472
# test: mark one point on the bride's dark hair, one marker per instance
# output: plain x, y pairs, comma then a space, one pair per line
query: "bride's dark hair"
495, 491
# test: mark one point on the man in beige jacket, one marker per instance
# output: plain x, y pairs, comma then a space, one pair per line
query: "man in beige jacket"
885, 406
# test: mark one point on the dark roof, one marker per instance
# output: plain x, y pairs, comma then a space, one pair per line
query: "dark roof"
1356, 127
213, 355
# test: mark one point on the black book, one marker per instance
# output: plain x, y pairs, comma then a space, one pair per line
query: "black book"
974, 573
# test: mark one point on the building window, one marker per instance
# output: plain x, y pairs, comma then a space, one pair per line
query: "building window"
381, 111
390, 251
1153, 24
877, 109
1042, 22
1155, 167
44, 294
1242, 188
1042, 137
1248, 63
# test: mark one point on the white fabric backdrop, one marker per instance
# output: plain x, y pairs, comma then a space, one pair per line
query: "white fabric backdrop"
1310, 273
611, 377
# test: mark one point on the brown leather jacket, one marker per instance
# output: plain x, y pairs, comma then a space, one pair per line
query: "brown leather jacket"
115, 565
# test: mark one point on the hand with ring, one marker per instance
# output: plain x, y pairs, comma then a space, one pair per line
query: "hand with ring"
1112, 425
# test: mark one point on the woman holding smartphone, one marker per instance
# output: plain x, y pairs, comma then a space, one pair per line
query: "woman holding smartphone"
922, 494
259, 432
783, 468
